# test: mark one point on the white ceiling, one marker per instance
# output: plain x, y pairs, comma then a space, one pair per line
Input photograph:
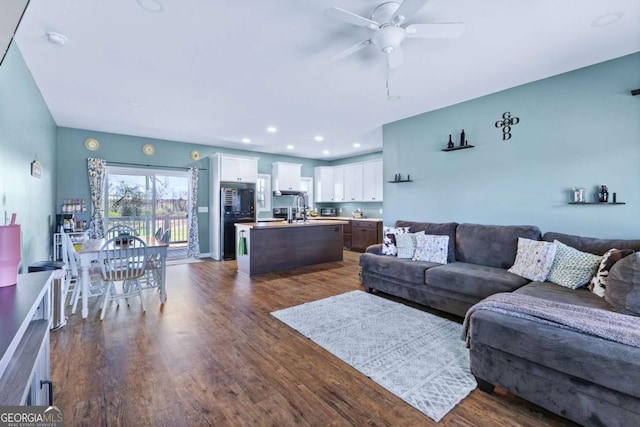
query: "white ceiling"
216, 71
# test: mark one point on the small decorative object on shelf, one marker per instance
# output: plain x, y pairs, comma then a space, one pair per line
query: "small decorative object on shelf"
398, 178
614, 198
462, 139
603, 194
578, 195
450, 144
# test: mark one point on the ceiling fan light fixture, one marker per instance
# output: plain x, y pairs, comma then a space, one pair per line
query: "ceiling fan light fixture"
153, 6
388, 38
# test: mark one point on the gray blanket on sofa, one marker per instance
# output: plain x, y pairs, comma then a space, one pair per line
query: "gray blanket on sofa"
612, 326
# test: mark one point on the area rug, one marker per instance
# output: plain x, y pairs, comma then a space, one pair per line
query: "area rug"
417, 356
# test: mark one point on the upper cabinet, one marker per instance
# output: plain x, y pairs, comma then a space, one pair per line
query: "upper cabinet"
372, 181
286, 176
237, 169
324, 183
355, 182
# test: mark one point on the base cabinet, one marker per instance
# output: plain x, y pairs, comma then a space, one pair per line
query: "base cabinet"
346, 236
364, 234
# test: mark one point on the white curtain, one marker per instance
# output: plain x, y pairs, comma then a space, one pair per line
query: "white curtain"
97, 169
193, 250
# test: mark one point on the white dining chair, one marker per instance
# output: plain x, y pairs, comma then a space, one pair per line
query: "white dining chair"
72, 279
154, 266
122, 259
119, 229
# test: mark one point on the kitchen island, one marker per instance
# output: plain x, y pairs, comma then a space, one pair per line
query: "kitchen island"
263, 247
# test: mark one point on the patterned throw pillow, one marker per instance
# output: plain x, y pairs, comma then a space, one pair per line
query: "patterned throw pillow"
572, 268
598, 282
533, 259
389, 239
431, 248
406, 243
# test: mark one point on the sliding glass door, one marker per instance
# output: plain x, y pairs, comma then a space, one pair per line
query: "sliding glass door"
148, 200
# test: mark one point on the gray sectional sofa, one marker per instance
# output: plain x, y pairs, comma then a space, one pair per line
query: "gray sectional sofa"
588, 379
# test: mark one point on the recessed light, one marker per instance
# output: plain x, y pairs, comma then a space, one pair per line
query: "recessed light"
319, 138
134, 104
57, 38
151, 5
356, 144
325, 152
246, 140
272, 129
290, 147
393, 98
607, 19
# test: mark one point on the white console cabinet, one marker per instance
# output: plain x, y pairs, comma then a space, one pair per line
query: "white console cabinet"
25, 320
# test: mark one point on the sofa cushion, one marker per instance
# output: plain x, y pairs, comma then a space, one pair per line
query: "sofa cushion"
598, 283
406, 244
572, 268
591, 245
473, 279
623, 286
553, 292
431, 248
402, 269
444, 229
533, 259
389, 239
491, 245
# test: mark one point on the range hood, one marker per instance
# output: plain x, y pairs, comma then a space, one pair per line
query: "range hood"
289, 193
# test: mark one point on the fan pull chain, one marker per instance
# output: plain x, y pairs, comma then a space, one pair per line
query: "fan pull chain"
387, 85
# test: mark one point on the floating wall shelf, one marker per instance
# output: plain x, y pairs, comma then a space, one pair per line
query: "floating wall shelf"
597, 203
401, 180
462, 147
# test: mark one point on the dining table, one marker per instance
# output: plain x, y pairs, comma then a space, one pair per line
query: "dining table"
89, 252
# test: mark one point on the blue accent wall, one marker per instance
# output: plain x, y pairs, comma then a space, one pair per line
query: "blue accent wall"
27, 131
579, 129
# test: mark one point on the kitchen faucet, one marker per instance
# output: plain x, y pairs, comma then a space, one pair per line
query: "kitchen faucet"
302, 197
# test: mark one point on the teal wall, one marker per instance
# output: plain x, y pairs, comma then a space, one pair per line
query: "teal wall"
72, 180
579, 129
27, 131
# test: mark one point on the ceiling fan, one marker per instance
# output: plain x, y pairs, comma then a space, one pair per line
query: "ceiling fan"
386, 22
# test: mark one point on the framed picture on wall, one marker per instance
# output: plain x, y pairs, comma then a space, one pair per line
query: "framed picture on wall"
36, 169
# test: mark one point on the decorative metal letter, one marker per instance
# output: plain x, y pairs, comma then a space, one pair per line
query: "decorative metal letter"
506, 123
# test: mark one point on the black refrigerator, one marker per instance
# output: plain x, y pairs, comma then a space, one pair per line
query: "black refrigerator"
237, 204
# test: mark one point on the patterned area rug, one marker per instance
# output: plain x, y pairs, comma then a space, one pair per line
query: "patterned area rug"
417, 356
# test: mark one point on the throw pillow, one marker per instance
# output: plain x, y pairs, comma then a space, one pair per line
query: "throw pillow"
389, 239
431, 248
598, 282
533, 259
572, 268
623, 285
406, 243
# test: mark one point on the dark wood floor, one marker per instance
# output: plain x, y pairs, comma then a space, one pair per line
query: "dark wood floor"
213, 355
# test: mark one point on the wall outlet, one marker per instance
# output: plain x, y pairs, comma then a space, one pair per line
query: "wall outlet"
380, 211
203, 209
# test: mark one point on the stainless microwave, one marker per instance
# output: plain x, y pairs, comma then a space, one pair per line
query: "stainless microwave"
327, 211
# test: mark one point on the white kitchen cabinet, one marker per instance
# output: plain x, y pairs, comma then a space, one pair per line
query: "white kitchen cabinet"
238, 169
338, 183
324, 184
372, 181
353, 179
286, 176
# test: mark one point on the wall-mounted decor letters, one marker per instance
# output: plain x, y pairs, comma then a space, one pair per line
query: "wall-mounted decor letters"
506, 123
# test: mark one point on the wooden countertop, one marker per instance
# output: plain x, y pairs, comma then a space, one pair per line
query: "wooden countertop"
344, 218
285, 224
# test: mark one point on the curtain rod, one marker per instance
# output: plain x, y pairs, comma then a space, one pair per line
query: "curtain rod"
152, 166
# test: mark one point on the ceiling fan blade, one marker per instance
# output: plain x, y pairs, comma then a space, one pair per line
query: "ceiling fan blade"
395, 58
351, 18
356, 47
407, 9
451, 30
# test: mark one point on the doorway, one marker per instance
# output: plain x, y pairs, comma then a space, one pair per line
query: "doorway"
147, 200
